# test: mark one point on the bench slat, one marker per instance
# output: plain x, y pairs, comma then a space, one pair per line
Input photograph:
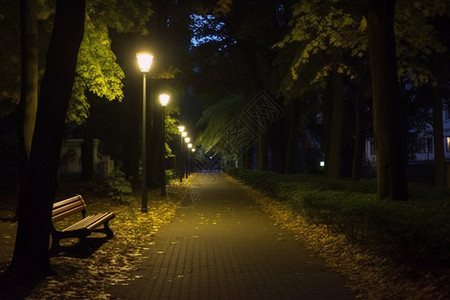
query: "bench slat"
102, 219
90, 222
65, 202
63, 212
81, 224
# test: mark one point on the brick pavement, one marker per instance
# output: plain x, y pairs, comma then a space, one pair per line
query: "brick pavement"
225, 247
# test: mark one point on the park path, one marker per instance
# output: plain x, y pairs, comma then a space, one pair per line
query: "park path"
225, 247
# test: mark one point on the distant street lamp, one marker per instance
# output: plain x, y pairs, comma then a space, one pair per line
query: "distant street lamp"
164, 100
145, 62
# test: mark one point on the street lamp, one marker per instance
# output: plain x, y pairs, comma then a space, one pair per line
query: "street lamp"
181, 130
164, 100
145, 62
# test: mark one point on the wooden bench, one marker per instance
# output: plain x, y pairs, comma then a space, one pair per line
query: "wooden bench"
82, 228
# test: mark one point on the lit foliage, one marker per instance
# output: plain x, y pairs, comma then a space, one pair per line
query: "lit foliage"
219, 118
322, 31
322, 26
171, 125
97, 69
417, 40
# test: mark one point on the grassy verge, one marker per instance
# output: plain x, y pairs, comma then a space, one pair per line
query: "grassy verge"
415, 233
373, 274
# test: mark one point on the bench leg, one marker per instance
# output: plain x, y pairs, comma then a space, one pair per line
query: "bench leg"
57, 248
83, 246
106, 230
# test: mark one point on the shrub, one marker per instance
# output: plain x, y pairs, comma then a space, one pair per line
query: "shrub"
415, 231
170, 175
118, 187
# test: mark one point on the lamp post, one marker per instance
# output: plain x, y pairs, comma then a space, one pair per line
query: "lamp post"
145, 62
163, 99
181, 130
187, 140
188, 171
182, 135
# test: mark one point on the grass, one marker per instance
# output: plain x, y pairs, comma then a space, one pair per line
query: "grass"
414, 232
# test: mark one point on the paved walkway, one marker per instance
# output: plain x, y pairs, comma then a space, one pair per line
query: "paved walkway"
225, 247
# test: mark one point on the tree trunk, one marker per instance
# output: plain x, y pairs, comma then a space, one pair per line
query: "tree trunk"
289, 162
327, 111
334, 169
333, 122
438, 132
278, 146
262, 151
359, 126
29, 81
247, 158
388, 119
38, 187
30, 73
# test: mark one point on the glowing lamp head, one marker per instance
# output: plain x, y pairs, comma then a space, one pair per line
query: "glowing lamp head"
181, 128
189, 145
187, 139
164, 99
144, 61
184, 134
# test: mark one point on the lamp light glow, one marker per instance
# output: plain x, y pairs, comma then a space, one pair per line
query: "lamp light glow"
164, 99
145, 61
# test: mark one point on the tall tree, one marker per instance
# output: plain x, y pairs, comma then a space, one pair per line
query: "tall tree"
389, 127
333, 124
326, 32
30, 258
